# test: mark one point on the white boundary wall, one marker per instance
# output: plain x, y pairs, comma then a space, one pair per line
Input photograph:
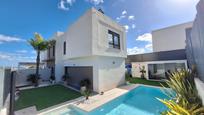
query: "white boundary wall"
200, 87
21, 75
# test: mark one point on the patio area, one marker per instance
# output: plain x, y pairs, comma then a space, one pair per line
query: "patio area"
44, 97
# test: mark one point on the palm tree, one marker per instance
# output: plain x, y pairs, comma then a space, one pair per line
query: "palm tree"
142, 71
39, 44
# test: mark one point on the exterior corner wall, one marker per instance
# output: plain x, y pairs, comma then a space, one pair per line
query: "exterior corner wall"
111, 72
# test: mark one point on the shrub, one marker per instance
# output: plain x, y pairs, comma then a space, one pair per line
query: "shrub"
65, 77
86, 93
33, 78
86, 83
52, 77
184, 95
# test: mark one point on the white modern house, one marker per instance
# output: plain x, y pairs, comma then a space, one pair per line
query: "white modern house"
170, 38
93, 48
168, 55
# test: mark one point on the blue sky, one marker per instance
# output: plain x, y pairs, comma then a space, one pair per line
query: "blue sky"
21, 18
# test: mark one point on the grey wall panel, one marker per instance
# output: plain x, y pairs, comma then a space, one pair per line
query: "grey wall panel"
158, 56
195, 43
78, 73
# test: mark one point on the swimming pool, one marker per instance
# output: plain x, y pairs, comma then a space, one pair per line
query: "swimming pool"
139, 101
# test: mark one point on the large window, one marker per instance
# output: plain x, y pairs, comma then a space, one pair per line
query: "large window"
64, 48
113, 39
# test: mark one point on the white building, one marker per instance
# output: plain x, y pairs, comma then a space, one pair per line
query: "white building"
94, 47
170, 38
168, 55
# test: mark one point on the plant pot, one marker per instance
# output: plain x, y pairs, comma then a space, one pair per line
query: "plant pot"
83, 88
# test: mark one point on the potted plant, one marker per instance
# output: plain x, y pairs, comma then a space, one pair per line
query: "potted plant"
85, 84
52, 78
65, 78
33, 79
86, 93
142, 71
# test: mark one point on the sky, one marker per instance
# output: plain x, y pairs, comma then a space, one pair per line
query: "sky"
20, 19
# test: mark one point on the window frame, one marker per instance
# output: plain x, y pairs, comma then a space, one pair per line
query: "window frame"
64, 47
53, 51
113, 44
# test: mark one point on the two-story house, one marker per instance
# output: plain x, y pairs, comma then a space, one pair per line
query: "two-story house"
93, 48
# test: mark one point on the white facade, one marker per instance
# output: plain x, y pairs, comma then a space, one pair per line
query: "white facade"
170, 38
137, 65
87, 45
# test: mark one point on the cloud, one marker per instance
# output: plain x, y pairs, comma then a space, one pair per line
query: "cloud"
147, 37
149, 46
65, 4
96, 2
131, 17
124, 12
22, 51
4, 56
5, 38
123, 15
126, 27
16, 57
133, 26
135, 50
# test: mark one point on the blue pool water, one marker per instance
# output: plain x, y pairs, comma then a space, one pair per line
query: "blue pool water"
139, 101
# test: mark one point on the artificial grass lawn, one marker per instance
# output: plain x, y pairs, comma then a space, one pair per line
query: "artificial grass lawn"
145, 82
44, 97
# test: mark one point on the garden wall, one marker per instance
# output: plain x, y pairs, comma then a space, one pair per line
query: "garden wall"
5, 78
200, 87
22, 75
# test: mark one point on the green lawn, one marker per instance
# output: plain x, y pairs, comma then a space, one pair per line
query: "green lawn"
45, 97
145, 82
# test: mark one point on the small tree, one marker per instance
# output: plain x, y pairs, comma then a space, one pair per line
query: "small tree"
142, 71
39, 44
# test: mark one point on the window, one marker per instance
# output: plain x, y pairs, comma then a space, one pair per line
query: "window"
53, 51
48, 52
113, 39
64, 46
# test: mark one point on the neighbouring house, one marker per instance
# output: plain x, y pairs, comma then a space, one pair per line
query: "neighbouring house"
169, 53
93, 48
170, 38
157, 65
29, 65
